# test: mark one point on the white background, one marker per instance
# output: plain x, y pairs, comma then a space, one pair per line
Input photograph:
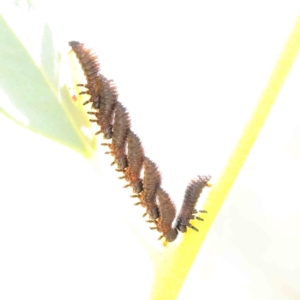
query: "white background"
190, 74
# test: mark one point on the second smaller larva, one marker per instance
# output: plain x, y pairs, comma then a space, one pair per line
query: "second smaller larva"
128, 152
188, 211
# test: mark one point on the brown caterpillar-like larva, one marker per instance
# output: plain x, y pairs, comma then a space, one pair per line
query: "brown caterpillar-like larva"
128, 152
187, 212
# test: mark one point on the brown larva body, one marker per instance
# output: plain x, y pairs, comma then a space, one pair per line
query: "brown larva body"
151, 182
135, 156
192, 193
167, 213
114, 121
108, 100
121, 127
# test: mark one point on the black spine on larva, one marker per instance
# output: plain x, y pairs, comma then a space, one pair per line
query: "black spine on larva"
192, 194
121, 127
135, 156
151, 182
167, 213
108, 100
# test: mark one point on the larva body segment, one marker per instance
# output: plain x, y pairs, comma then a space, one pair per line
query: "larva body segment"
121, 127
167, 213
192, 194
135, 156
108, 100
94, 91
151, 182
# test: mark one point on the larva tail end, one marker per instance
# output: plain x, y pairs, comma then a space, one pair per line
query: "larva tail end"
165, 243
171, 235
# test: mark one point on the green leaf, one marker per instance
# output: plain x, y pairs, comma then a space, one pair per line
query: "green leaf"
30, 89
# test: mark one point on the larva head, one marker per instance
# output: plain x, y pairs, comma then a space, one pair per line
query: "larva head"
107, 134
74, 44
137, 186
180, 226
122, 162
153, 213
171, 235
